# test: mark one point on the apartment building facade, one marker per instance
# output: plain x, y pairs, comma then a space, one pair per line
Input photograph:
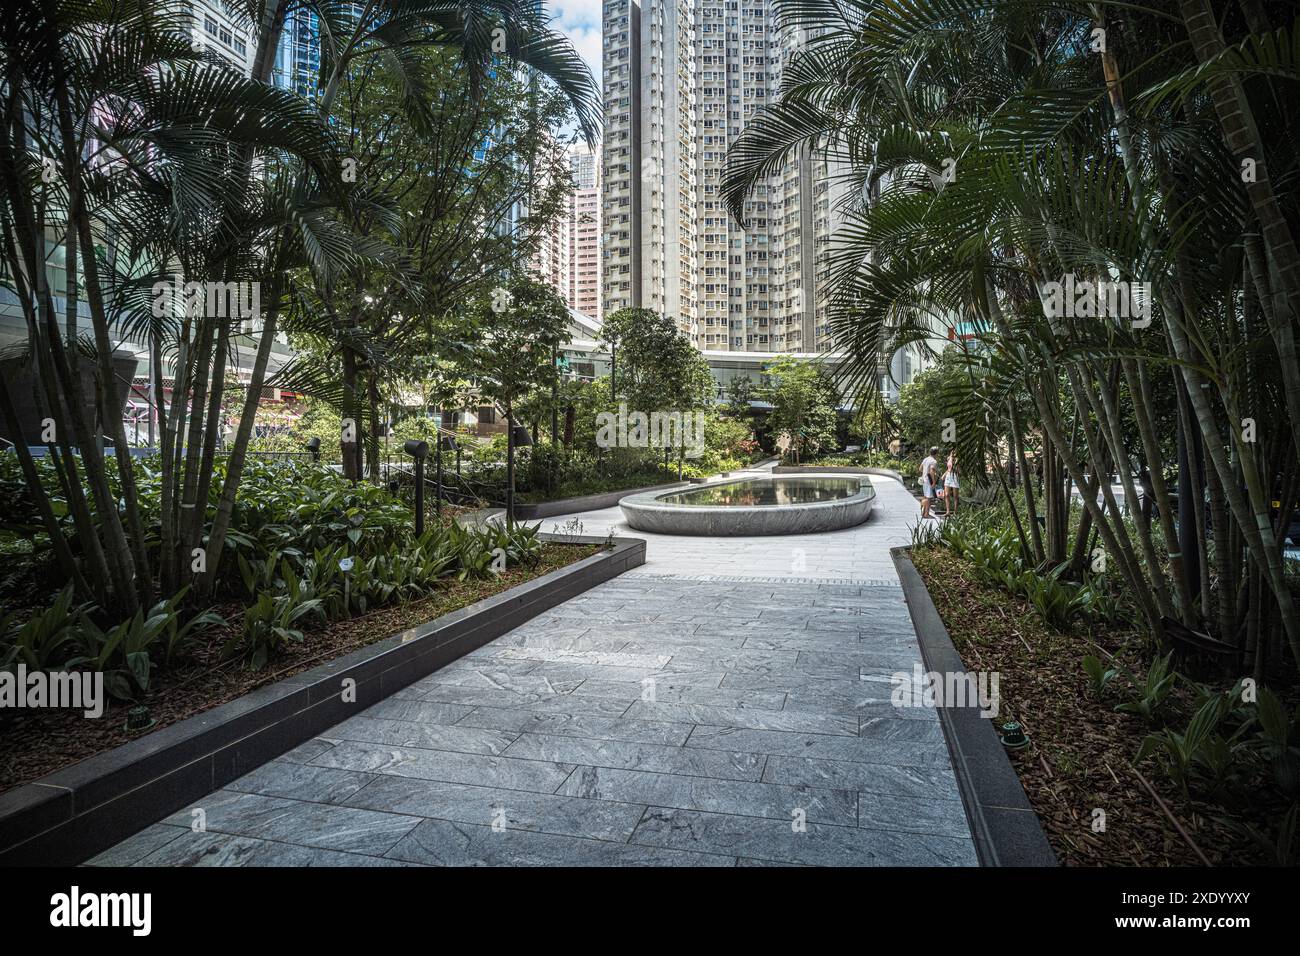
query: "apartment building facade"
584, 231
681, 80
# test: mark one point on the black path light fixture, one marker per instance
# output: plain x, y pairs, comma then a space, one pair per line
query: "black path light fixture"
418, 450
445, 443
313, 446
515, 435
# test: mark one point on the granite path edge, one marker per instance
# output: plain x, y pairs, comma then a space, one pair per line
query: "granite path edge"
68, 816
567, 506
1003, 823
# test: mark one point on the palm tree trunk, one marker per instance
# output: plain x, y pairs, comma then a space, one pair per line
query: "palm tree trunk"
1241, 133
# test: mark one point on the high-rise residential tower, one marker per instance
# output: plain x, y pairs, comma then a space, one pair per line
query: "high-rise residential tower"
681, 80
584, 231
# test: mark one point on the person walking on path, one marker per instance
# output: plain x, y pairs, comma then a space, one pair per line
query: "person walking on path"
950, 485
929, 478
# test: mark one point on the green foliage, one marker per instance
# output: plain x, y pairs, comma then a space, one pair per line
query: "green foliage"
45, 641
1280, 737
510, 332
867, 458
804, 400
924, 403
1153, 691
1200, 747
1282, 848
656, 367
271, 622
1099, 675
65, 637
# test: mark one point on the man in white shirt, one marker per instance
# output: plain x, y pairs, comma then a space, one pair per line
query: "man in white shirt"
929, 469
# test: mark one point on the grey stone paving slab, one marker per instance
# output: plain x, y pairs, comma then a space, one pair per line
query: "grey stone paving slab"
221, 849
467, 671
554, 704
697, 674
506, 772
410, 733
605, 658
443, 843
893, 751
922, 783
735, 717
295, 781
405, 708
515, 809
866, 698
666, 691
471, 697
941, 817
298, 821
137, 847
728, 703
558, 642
580, 725
304, 752
624, 755
818, 844
728, 796
890, 727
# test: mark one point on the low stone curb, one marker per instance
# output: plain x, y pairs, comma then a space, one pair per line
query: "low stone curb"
1003, 822
72, 814
838, 470
568, 506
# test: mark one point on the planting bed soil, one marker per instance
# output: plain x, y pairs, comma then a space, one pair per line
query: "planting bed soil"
35, 743
1081, 751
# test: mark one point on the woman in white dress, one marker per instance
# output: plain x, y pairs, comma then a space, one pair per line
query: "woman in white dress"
950, 485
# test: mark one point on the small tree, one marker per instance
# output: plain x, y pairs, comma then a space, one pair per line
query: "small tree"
657, 367
511, 333
803, 398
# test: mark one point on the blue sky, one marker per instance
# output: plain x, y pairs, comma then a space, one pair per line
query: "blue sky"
579, 20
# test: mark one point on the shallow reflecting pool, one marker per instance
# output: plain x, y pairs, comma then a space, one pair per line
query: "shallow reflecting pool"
767, 491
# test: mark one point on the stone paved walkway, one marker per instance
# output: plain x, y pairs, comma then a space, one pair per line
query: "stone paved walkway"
726, 704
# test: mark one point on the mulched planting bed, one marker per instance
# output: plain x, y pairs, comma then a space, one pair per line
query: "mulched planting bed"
1081, 750
35, 743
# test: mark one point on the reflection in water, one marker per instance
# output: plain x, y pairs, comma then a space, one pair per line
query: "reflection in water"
767, 491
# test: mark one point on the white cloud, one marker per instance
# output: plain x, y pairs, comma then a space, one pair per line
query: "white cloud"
580, 21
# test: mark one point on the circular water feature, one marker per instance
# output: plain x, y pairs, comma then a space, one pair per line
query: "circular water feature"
779, 504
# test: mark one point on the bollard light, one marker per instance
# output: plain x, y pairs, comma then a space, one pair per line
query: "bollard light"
1013, 736
138, 719
419, 450
516, 435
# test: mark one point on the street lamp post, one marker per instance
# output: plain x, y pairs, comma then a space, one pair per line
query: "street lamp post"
419, 450
515, 435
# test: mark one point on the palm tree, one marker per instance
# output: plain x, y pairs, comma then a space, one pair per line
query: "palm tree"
1058, 175
141, 156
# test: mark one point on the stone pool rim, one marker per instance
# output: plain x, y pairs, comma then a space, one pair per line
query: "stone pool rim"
646, 512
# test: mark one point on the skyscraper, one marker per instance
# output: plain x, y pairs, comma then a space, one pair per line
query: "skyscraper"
224, 30
681, 80
584, 231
